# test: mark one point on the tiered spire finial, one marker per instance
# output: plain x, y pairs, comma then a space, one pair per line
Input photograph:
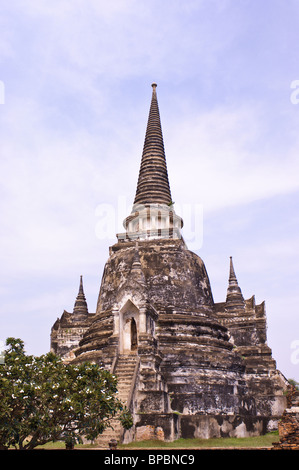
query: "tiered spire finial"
232, 274
153, 185
80, 306
234, 293
153, 215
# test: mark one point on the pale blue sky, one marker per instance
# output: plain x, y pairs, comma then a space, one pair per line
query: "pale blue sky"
77, 78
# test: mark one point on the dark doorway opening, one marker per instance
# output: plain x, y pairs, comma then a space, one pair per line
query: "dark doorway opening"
133, 335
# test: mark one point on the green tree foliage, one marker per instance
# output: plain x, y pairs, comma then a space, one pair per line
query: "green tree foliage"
294, 383
42, 399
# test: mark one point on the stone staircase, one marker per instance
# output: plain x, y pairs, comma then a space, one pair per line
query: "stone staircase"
124, 371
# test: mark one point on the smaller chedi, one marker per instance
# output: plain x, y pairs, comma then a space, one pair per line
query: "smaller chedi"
186, 365
68, 330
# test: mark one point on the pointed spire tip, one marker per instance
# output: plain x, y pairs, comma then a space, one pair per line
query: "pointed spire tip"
80, 303
234, 292
153, 185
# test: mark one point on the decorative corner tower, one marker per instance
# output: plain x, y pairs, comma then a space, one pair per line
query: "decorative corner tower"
187, 366
68, 330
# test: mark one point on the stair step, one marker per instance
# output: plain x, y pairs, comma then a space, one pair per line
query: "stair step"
125, 363
124, 374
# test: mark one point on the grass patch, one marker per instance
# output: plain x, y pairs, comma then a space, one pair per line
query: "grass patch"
52, 445
222, 442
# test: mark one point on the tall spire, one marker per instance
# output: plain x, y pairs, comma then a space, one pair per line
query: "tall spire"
232, 274
234, 293
153, 215
153, 185
80, 306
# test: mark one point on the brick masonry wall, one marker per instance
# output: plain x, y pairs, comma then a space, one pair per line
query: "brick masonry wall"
288, 426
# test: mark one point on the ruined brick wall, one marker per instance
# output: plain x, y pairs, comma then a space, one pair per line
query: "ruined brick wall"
288, 426
66, 334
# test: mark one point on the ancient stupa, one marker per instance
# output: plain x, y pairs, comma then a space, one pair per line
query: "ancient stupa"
187, 366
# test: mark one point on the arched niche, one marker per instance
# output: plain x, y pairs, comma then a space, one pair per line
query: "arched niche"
129, 328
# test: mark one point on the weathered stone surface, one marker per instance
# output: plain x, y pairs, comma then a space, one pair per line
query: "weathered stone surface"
288, 425
210, 426
168, 272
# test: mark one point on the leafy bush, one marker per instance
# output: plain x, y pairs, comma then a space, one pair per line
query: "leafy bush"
42, 399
